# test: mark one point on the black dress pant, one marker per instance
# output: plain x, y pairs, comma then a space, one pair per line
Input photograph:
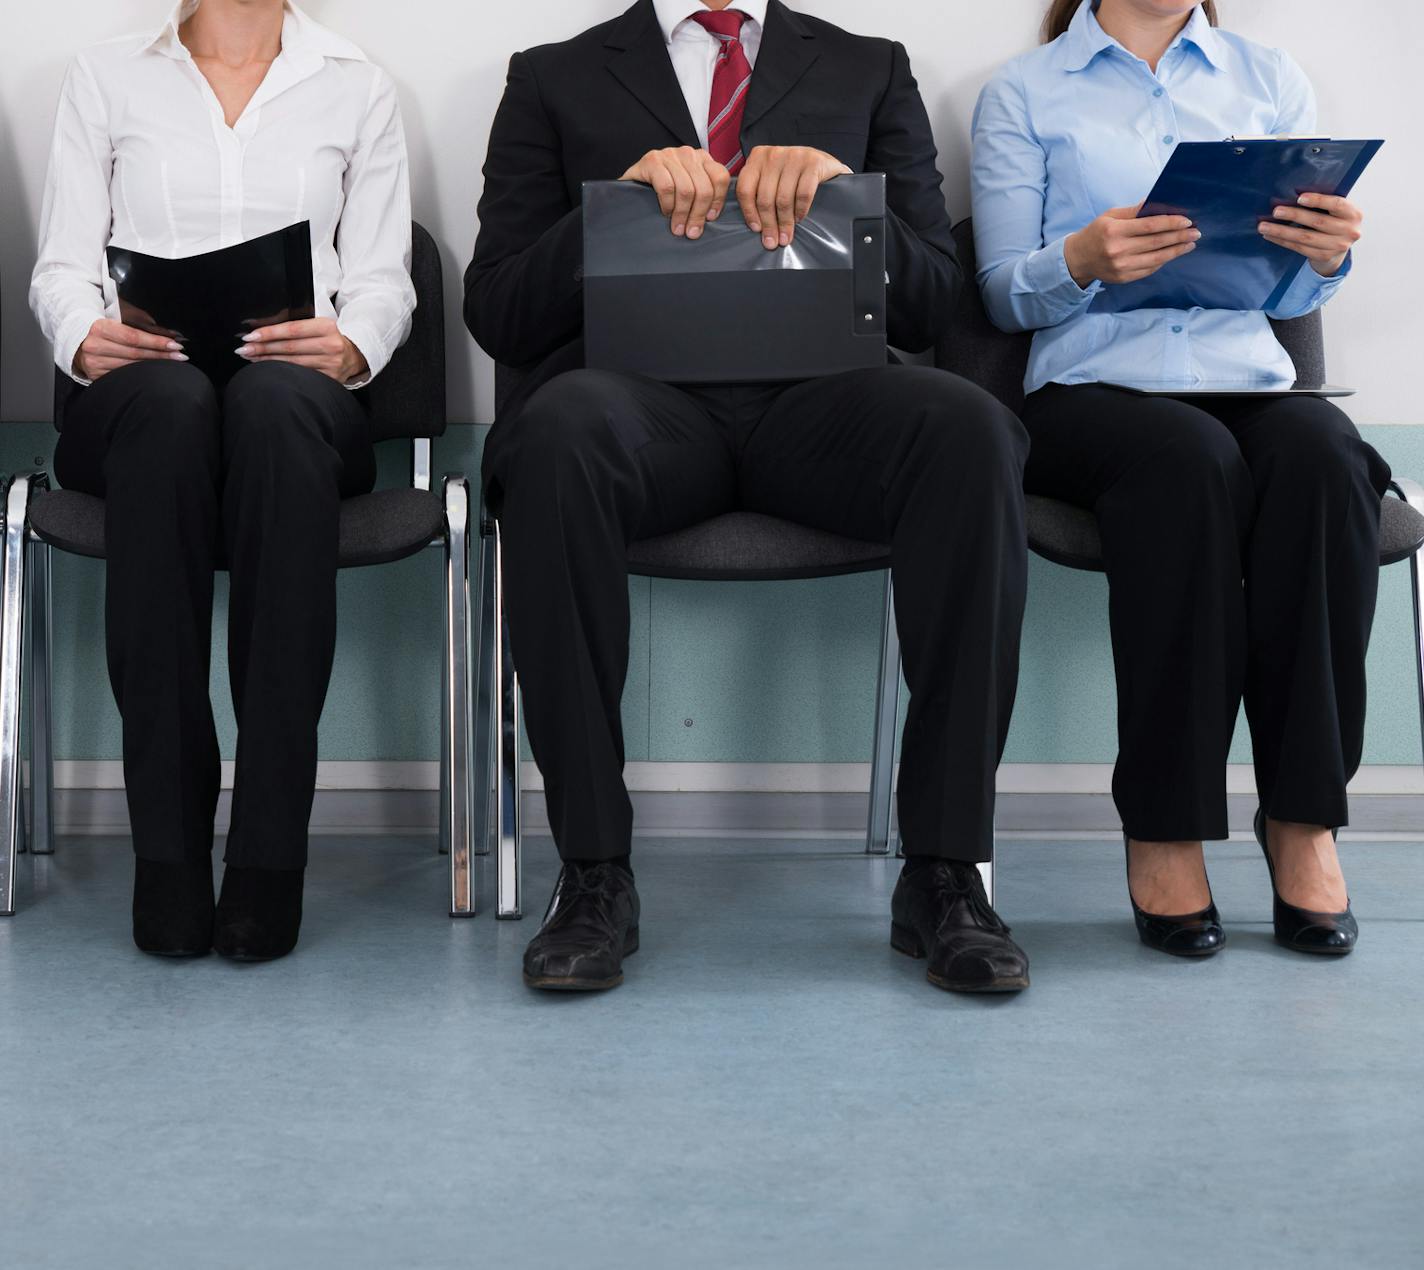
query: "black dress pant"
252, 479
913, 457
1193, 499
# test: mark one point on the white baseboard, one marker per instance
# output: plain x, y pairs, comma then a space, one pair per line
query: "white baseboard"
727, 799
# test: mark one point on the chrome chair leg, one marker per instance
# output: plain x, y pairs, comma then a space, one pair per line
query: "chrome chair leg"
41, 688
444, 788
486, 774
509, 841
12, 637
1416, 569
456, 708
1413, 494
887, 710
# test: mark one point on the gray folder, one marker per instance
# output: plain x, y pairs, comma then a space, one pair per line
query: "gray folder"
724, 309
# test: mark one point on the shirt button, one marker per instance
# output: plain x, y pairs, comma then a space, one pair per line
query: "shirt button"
1158, 93
1176, 330
1168, 139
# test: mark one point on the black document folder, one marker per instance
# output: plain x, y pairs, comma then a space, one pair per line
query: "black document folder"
1227, 188
724, 309
209, 302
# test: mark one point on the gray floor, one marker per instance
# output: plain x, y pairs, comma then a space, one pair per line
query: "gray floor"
771, 1088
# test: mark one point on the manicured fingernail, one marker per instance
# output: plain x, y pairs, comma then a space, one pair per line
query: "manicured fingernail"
785, 240
694, 232
1264, 228
247, 339
1306, 199
174, 346
754, 226
1281, 212
714, 213
1196, 233
243, 351
178, 357
679, 229
769, 240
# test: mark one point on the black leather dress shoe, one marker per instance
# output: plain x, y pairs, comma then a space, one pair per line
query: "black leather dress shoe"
173, 907
1186, 935
259, 913
940, 912
590, 926
1300, 929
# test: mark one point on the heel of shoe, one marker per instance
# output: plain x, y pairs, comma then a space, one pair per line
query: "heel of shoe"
630, 941
904, 940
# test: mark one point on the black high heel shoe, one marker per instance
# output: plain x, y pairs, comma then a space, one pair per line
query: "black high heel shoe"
1190, 935
1300, 929
259, 913
173, 907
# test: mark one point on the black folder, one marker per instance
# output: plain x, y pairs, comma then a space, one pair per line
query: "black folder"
1227, 188
209, 302
724, 309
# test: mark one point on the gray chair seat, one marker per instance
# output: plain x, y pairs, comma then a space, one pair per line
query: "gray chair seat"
378, 528
1068, 535
747, 546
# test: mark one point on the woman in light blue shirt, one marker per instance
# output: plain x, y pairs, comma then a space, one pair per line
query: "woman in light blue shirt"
1192, 496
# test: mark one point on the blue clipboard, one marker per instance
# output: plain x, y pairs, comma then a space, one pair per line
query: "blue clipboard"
1227, 188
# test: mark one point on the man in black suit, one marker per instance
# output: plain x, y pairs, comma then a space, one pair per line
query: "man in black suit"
683, 95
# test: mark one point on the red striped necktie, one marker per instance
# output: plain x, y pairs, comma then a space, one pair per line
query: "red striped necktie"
730, 82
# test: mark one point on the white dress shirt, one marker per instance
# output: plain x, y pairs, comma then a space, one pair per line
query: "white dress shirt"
144, 159
694, 50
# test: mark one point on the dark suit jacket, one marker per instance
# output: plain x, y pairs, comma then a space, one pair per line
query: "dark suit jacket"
590, 107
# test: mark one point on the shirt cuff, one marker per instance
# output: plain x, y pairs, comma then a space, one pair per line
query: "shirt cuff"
71, 334
1048, 277
371, 346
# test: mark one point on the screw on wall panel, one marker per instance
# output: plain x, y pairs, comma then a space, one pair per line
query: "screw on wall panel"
687, 723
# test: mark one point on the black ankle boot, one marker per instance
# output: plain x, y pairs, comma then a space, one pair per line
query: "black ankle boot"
259, 913
173, 907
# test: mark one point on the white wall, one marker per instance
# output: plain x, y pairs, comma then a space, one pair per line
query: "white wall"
449, 58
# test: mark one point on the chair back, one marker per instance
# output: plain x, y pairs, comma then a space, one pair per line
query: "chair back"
408, 397
972, 346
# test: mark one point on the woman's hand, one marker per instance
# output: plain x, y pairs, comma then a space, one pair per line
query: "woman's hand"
1117, 247
777, 187
1322, 229
313, 342
111, 345
690, 184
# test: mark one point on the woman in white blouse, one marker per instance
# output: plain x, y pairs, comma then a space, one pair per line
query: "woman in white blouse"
235, 119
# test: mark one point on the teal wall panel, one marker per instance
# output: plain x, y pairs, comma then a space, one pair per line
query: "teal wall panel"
766, 672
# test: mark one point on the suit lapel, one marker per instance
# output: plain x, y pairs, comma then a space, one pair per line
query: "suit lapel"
788, 50
639, 60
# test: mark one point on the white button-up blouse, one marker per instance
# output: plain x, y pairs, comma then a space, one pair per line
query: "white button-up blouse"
144, 159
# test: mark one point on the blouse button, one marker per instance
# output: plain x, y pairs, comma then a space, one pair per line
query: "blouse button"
1168, 139
1158, 93
1176, 330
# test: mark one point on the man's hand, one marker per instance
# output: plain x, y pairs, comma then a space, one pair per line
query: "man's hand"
1322, 229
777, 187
690, 184
313, 342
1117, 247
110, 345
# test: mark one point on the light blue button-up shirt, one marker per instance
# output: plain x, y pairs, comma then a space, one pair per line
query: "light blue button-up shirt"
1079, 126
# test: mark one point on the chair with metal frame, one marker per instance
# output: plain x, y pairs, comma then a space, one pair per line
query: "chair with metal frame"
736, 547
407, 402
1068, 535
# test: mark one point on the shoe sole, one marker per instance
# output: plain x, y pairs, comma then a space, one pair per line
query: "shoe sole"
180, 954
1315, 952
556, 983
908, 943
1195, 954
